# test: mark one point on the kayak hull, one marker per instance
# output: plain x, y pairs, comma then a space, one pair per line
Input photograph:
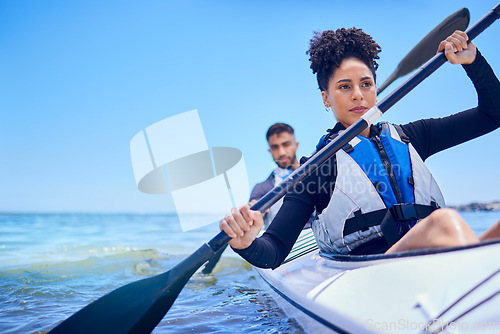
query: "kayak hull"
415, 292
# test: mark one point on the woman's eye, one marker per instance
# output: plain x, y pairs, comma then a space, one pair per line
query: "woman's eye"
344, 87
366, 84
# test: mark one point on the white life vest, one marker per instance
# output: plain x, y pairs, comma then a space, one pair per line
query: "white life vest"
367, 201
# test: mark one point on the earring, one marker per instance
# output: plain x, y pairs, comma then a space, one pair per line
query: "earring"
326, 109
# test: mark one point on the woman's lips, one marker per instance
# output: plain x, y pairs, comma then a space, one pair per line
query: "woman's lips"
358, 110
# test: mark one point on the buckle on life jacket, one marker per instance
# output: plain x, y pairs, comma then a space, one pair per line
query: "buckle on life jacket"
402, 211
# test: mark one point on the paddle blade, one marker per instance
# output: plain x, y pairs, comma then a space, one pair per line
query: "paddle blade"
213, 261
136, 307
427, 47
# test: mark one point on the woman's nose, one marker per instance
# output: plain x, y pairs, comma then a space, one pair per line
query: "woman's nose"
357, 94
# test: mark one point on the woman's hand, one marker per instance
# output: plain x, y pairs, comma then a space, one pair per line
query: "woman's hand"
456, 49
242, 225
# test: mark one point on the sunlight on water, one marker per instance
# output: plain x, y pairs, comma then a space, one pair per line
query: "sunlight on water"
53, 265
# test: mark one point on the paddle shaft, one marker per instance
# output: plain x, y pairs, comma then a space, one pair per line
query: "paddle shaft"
221, 239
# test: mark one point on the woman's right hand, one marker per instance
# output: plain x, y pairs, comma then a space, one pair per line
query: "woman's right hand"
242, 225
456, 49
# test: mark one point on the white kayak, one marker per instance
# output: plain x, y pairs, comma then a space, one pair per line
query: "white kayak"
450, 290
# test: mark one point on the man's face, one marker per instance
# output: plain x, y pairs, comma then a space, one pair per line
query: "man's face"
283, 147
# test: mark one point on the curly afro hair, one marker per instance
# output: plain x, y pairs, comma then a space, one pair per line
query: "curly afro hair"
328, 49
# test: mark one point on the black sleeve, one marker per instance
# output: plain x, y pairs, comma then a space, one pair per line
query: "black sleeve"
271, 249
430, 136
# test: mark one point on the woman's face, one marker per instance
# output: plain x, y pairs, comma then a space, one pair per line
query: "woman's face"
351, 91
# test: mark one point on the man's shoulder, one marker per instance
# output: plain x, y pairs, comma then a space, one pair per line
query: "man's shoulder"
262, 188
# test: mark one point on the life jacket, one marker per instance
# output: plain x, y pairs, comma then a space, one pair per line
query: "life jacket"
382, 189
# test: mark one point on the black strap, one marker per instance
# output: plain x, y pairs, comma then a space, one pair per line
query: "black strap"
411, 181
411, 211
363, 221
402, 134
403, 213
348, 148
388, 217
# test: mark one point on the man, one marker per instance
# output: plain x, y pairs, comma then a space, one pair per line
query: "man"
283, 148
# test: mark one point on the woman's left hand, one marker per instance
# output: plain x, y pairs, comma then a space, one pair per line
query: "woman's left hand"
456, 49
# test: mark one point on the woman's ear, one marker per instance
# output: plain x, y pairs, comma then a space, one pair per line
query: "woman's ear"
324, 94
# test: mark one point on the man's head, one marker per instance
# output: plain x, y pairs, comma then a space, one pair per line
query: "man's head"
282, 145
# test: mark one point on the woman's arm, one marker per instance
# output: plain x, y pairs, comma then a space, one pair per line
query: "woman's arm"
314, 192
269, 250
430, 136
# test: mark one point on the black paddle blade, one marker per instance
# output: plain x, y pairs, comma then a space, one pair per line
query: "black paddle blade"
136, 307
427, 47
213, 261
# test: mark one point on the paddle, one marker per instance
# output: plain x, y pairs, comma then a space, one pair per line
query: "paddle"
139, 306
421, 53
425, 49
209, 266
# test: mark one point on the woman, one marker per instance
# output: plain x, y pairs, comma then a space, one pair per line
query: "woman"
372, 193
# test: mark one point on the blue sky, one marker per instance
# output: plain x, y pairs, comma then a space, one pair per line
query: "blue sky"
80, 79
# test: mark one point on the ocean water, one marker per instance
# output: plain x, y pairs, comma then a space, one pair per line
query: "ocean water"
52, 265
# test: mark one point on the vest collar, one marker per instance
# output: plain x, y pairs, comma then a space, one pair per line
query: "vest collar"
374, 130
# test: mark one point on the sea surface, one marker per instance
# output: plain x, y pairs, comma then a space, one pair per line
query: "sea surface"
52, 265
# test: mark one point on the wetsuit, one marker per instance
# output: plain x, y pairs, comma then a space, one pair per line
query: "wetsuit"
428, 136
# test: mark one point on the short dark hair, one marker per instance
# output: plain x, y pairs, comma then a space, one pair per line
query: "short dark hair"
329, 48
278, 128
